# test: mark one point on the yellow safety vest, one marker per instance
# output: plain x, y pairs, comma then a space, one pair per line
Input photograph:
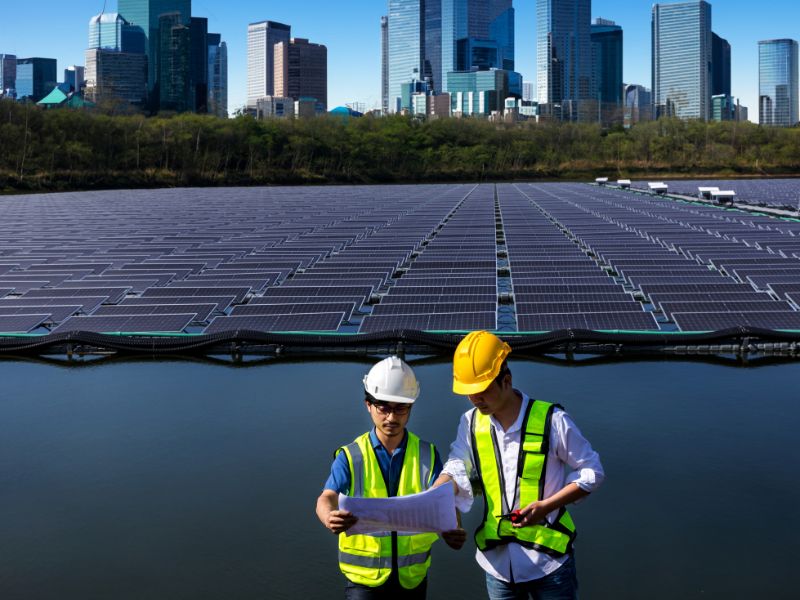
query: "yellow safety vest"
554, 539
367, 559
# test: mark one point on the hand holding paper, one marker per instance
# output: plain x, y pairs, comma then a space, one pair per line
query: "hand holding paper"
431, 511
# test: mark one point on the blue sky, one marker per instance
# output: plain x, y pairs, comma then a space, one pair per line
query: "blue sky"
351, 31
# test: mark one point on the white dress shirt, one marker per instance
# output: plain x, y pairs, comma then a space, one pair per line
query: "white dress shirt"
570, 459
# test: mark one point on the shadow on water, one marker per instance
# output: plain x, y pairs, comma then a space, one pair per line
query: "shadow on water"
132, 478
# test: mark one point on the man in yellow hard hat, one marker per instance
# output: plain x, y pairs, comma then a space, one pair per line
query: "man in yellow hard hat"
531, 461
386, 461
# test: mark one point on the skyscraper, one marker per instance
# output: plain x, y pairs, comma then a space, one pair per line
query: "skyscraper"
74, 77
638, 104
8, 72
301, 71
217, 75
198, 61
146, 14
174, 63
385, 64
476, 34
564, 58
681, 60
116, 76
110, 31
261, 40
607, 68
777, 82
36, 77
406, 46
720, 66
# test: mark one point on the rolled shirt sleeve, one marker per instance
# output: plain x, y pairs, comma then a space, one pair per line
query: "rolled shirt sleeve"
575, 451
459, 466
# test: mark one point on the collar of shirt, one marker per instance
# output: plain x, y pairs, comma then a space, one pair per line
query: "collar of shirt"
391, 464
517, 424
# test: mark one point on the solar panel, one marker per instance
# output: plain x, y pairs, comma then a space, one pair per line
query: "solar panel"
173, 323
415, 290
421, 308
56, 314
441, 322
594, 321
706, 321
202, 311
266, 323
577, 307
346, 308
21, 323
238, 293
721, 306
311, 291
221, 303
112, 295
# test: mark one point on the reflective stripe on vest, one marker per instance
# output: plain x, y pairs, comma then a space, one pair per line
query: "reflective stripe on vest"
367, 559
556, 538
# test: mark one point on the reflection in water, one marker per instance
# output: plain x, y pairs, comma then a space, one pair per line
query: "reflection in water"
189, 479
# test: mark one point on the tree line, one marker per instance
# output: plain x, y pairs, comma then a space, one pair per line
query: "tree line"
60, 149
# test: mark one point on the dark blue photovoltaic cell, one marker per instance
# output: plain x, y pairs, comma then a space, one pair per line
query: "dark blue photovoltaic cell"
346, 308
113, 295
577, 307
722, 307
57, 313
443, 322
421, 308
298, 322
202, 311
127, 324
21, 323
595, 321
238, 293
699, 321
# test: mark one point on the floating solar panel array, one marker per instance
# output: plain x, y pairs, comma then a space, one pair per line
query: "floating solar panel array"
367, 259
776, 193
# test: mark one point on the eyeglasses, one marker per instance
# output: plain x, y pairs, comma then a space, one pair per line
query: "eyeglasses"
384, 408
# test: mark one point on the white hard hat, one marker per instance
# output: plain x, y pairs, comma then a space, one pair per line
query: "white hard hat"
392, 380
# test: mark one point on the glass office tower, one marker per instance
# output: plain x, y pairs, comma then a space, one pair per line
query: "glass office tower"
564, 59
777, 83
8, 73
36, 77
681, 60
385, 64
406, 46
146, 14
720, 66
261, 39
607, 67
217, 75
476, 34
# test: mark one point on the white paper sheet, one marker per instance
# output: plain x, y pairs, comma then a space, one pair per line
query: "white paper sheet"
433, 510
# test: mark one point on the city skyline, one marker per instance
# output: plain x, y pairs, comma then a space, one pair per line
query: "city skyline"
353, 38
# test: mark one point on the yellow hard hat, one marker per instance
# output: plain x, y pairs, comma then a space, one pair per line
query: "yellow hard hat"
477, 362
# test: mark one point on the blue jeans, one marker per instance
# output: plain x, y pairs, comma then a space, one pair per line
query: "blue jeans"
561, 584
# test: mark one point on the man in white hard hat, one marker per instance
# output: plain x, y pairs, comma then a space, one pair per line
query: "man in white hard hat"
386, 461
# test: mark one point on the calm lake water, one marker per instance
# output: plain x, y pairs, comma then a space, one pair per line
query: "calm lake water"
146, 479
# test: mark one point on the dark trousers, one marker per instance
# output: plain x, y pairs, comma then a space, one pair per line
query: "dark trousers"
388, 591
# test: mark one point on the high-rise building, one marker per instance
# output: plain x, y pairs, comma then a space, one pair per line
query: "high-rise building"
720, 66
74, 77
217, 75
36, 77
607, 69
777, 82
406, 46
110, 31
113, 76
198, 61
8, 73
147, 14
432, 45
476, 34
723, 108
385, 64
681, 59
301, 71
638, 104
564, 59
478, 92
528, 91
261, 40
174, 63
